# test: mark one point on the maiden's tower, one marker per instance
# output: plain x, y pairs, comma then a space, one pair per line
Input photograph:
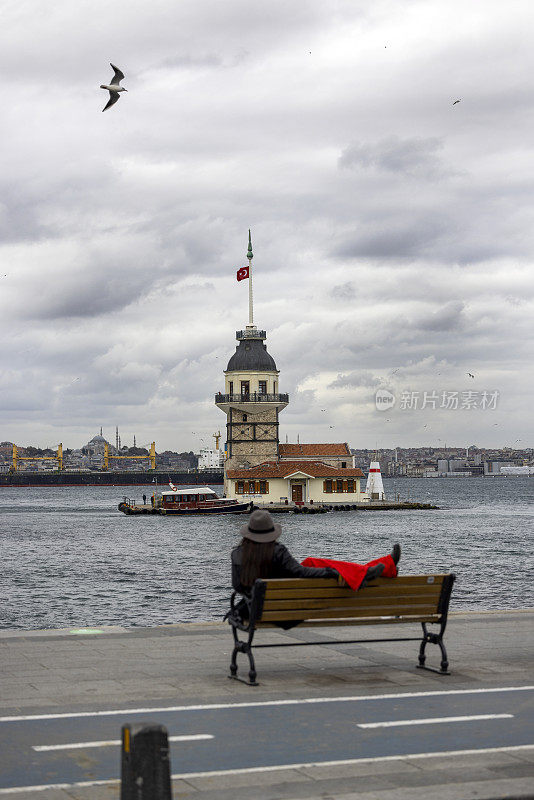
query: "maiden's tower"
256, 465
251, 398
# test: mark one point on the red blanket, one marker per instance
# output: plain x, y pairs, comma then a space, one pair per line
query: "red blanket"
353, 573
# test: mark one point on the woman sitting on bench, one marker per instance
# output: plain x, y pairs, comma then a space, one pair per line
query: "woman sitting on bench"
260, 556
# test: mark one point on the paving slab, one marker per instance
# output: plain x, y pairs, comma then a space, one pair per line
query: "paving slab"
55, 671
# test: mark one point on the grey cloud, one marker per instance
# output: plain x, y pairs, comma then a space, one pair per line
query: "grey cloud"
444, 319
354, 379
416, 157
123, 230
343, 291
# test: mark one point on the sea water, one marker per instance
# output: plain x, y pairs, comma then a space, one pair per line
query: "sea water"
71, 559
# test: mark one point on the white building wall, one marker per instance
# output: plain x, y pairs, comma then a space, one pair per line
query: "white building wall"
280, 490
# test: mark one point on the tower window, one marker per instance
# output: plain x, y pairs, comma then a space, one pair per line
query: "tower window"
231, 387
245, 417
245, 387
262, 387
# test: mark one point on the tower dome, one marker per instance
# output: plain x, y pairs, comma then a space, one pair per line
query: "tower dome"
251, 354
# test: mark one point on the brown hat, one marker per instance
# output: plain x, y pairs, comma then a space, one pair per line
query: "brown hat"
261, 527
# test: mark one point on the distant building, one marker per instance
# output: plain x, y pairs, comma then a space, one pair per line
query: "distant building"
210, 459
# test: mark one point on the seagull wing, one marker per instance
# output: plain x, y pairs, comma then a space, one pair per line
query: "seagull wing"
113, 97
118, 76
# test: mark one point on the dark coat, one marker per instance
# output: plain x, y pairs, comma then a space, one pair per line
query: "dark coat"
283, 566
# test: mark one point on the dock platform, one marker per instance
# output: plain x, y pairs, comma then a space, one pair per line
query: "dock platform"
336, 722
312, 508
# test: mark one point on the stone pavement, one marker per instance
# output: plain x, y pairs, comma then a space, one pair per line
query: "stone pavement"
56, 671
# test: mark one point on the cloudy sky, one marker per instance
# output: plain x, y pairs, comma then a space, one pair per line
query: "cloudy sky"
393, 231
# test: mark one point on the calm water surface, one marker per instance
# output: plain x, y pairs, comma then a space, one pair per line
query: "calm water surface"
70, 558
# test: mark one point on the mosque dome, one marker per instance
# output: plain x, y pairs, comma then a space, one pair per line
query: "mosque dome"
97, 440
251, 354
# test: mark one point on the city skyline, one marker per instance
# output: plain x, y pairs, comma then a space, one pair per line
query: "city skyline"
391, 228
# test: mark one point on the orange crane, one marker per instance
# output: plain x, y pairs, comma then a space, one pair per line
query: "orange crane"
58, 457
151, 455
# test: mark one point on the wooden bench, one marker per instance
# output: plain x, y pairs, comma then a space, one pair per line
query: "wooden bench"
320, 602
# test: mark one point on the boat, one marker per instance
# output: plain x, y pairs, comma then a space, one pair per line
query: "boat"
199, 501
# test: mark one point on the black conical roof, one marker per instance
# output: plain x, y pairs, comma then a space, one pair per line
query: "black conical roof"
251, 354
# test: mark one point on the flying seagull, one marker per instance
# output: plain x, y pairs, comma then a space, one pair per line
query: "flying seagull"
114, 87
470, 374
456, 101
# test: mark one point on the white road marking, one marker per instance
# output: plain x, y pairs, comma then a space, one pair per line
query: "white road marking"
265, 703
432, 720
44, 748
276, 768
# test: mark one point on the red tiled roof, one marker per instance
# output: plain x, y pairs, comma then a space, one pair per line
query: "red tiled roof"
282, 469
313, 450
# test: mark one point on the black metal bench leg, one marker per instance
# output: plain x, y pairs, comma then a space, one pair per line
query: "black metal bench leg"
243, 647
233, 661
433, 638
252, 670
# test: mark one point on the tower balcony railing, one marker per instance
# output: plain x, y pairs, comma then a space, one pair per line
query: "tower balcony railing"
250, 333
252, 397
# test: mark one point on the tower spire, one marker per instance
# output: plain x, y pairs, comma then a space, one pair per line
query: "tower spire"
250, 298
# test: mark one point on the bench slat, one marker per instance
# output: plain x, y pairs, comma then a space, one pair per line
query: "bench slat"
392, 610
321, 623
401, 580
355, 600
426, 590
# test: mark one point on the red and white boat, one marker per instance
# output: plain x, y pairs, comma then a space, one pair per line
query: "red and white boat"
199, 501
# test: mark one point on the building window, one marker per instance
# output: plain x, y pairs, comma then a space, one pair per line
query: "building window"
339, 486
245, 417
264, 487
262, 387
344, 464
240, 487
350, 485
327, 486
245, 387
230, 387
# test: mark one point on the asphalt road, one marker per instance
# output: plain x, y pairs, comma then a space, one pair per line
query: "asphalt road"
68, 748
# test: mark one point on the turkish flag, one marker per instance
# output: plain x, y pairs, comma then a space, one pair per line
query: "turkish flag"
242, 273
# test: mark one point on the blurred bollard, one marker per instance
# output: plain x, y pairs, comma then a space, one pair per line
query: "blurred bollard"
145, 763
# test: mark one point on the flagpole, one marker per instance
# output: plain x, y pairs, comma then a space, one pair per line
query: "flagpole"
250, 257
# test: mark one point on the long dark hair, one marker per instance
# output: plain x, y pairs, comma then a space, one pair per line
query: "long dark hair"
256, 560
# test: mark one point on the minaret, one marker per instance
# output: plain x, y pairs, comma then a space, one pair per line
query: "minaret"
251, 398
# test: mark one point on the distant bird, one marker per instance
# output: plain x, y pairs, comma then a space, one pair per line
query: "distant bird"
323, 409
114, 87
456, 101
332, 426
470, 374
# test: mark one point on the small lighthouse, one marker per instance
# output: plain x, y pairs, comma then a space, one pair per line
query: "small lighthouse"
374, 488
